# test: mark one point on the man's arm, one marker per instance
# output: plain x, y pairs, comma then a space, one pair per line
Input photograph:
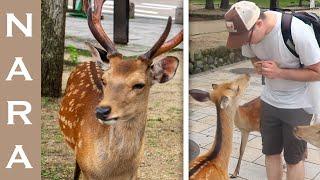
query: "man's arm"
309, 73
307, 47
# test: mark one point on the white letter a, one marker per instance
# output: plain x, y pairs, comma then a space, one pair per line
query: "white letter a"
23, 158
23, 70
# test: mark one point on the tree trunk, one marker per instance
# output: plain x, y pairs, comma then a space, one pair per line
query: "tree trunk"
53, 18
224, 4
300, 3
274, 4
209, 4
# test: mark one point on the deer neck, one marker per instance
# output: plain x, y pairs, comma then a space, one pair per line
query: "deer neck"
118, 147
222, 146
220, 152
133, 126
126, 137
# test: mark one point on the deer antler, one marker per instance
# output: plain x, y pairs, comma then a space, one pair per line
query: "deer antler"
94, 21
150, 54
167, 46
160, 47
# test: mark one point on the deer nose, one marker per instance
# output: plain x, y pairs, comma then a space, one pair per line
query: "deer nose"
103, 112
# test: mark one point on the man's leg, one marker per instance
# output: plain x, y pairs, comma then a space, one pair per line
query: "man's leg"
294, 149
295, 171
272, 144
274, 167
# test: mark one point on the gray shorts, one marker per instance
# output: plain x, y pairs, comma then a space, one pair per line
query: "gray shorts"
277, 132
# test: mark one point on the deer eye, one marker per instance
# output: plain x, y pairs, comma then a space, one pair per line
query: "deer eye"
138, 86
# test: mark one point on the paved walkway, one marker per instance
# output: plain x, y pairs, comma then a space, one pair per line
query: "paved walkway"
203, 125
143, 33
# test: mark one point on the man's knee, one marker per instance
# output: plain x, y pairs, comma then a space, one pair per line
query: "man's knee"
294, 164
273, 157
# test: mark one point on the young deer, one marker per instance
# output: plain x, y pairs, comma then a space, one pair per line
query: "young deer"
309, 133
247, 120
226, 96
104, 111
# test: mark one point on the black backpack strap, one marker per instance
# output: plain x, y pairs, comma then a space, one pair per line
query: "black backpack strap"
286, 20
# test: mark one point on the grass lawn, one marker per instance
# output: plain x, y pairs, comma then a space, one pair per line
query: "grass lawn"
262, 3
163, 138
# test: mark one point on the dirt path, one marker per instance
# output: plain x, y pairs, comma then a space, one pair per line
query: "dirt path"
207, 34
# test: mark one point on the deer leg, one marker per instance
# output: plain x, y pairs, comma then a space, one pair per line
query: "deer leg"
77, 172
244, 140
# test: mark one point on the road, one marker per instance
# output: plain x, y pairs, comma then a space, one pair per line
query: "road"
146, 8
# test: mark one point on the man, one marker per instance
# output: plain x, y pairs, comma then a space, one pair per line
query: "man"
284, 95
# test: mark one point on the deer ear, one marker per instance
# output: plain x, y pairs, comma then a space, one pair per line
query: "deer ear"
98, 55
224, 103
199, 95
164, 70
214, 86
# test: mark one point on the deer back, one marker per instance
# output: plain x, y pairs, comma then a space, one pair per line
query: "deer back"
82, 95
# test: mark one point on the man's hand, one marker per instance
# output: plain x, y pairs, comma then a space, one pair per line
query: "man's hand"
270, 70
258, 67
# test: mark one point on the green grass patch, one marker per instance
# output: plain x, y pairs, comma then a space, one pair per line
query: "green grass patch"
56, 162
80, 52
69, 63
73, 53
48, 102
154, 122
175, 110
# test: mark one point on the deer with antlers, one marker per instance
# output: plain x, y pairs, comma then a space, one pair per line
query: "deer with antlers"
214, 163
104, 111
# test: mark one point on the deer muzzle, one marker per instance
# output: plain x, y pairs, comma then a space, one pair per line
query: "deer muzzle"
103, 115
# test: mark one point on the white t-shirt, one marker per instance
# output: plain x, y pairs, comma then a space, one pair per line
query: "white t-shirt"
279, 92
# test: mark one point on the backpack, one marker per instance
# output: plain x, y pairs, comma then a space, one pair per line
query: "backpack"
314, 21
309, 18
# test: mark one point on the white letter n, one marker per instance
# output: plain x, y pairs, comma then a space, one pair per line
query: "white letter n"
23, 70
22, 114
23, 158
26, 30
